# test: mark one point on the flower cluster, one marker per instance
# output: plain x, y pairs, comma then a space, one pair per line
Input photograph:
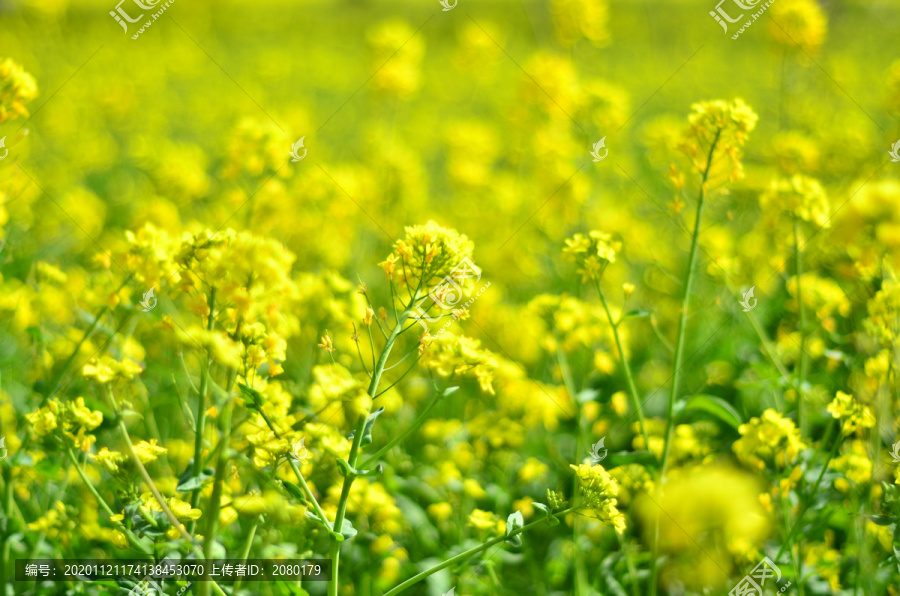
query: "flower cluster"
598, 494
425, 254
769, 439
854, 414
799, 197
718, 129
451, 355
16, 88
592, 253
73, 418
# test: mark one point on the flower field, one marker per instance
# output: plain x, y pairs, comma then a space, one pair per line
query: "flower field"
446, 298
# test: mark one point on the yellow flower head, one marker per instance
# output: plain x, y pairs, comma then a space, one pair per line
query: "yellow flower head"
486, 521
592, 253
718, 129
113, 461
450, 354
427, 253
108, 368
799, 197
148, 452
771, 438
798, 22
73, 418
598, 494
854, 414
16, 87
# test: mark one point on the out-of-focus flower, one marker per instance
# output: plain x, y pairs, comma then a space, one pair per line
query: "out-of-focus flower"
771, 438
798, 197
487, 521
718, 130
576, 19
73, 418
108, 368
16, 88
798, 24
592, 253
854, 414
713, 518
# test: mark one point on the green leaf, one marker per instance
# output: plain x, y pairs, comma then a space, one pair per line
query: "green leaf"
450, 391
187, 482
347, 530
295, 491
514, 522
548, 514
347, 470
716, 406
367, 431
254, 398
637, 314
881, 520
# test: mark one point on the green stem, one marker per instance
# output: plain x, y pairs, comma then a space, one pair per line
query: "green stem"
212, 512
632, 387
679, 349
806, 503
201, 408
769, 350
296, 468
155, 491
466, 554
801, 310
245, 552
103, 504
335, 551
7, 518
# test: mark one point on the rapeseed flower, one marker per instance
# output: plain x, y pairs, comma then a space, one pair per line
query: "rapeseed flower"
854, 414
597, 495
769, 439
592, 253
16, 88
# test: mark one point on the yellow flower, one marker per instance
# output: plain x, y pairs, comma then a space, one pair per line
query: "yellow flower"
440, 511
16, 87
718, 128
486, 521
769, 438
598, 494
183, 511
83, 416
854, 414
326, 343
108, 368
798, 23
111, 460
148, 452
44, 420
427, 253
449, 355
592, 253
799, 196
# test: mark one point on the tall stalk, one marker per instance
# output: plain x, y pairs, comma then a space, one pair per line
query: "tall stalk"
632, 387
801, 311
679, 349
201, 407
335, 551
